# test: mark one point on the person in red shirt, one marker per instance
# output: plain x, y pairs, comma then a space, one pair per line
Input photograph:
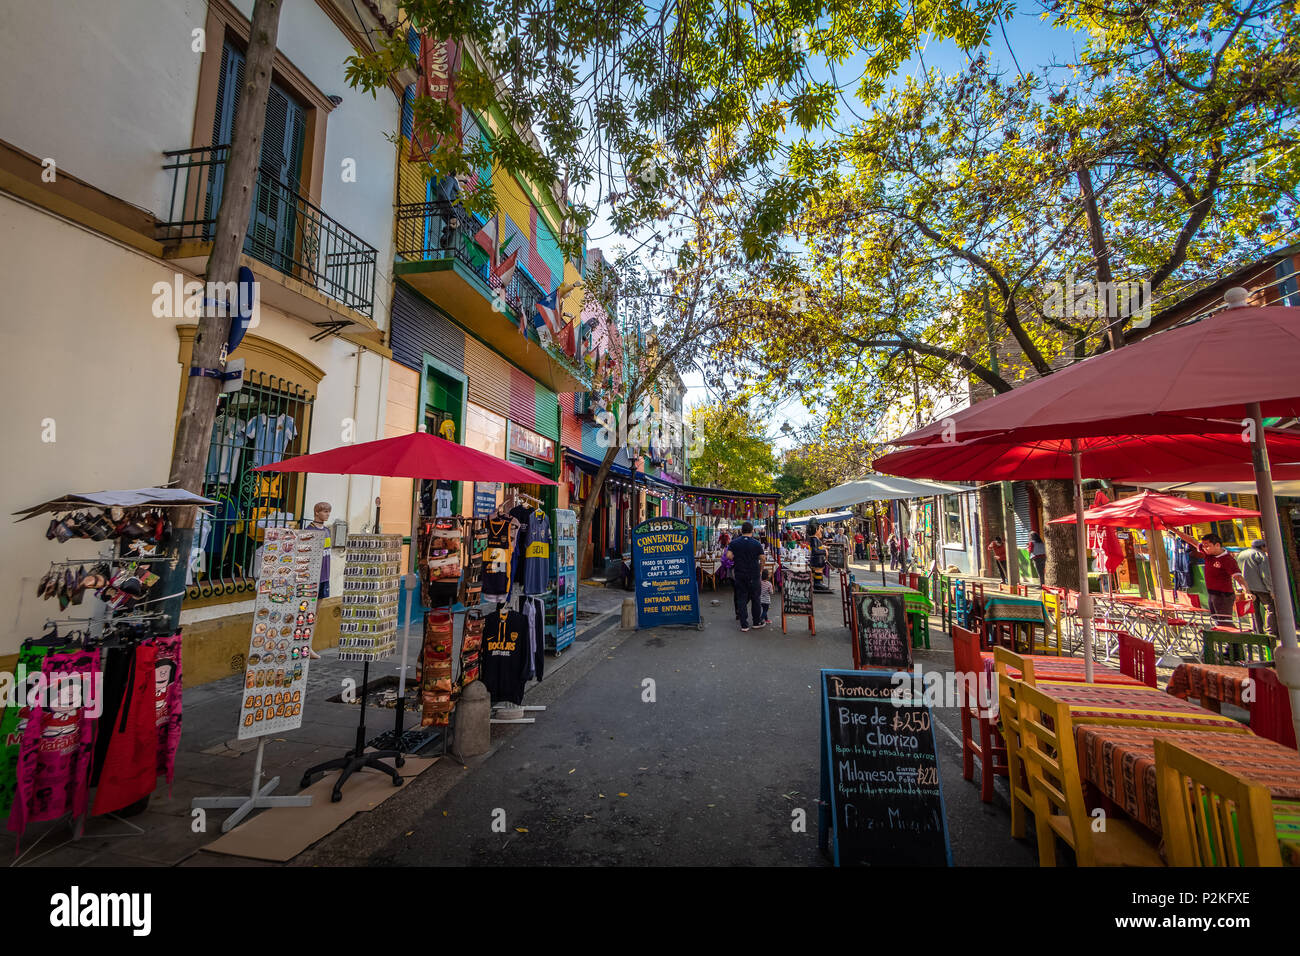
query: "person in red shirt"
998, 548
1221, 572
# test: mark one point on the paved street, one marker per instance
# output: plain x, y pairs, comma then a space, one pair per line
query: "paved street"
709, 773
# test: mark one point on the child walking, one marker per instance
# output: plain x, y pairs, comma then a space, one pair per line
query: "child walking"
765, 594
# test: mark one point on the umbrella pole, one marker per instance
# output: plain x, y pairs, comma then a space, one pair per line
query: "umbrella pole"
1288, 655
1081, 546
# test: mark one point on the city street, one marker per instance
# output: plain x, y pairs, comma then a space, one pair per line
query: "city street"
710, 773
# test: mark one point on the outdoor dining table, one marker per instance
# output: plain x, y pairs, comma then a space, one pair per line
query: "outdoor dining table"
916, 605
1174, 627
1049, 667
1013, 611
1120, 763
1125, 705
1212, 683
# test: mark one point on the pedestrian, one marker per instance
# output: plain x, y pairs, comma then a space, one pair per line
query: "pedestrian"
893, 554
1221, 571
765, 596
747, 557
1259, 581
998, 549
817, 558
858, 543
1038, 555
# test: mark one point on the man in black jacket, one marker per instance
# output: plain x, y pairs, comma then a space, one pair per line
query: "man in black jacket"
747, 556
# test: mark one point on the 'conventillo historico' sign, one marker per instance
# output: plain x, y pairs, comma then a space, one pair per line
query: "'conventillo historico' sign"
663, 566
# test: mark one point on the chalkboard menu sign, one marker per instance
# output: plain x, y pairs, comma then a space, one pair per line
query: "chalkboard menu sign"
881, 800
796, 598
883, 635
663, 565
837, 555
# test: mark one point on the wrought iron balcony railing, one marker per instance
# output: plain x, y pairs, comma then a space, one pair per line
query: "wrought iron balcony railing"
285, 230
442, 230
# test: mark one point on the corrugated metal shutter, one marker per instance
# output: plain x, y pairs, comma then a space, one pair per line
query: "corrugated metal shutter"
570, 424
546, 408
419, 328
523, 399
489, 377
514, 206
590, 445
408, 114
549, 250
1020, 503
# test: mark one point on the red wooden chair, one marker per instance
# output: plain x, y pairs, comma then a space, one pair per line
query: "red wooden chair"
1270, 711
991, 750
1137, 658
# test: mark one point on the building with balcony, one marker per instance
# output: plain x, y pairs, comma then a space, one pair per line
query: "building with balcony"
470, 360
112, 168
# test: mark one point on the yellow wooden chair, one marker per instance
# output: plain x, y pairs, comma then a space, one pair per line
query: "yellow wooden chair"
1201, 803
1051, 641
1052, 766
1017, 782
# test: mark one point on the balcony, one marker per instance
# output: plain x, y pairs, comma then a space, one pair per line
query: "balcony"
323, 272
439, 258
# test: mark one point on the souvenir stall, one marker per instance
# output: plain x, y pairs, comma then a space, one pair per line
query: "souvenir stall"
492, 569
94, 716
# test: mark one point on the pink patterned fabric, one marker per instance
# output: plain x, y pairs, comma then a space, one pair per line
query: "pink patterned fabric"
167, 702
58, 745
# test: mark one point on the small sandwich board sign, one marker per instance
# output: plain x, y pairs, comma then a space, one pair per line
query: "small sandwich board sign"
796, 598
881, 797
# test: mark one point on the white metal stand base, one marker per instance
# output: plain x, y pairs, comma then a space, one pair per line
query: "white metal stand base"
259, 798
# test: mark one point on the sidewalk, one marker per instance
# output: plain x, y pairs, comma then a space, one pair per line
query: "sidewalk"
212, 762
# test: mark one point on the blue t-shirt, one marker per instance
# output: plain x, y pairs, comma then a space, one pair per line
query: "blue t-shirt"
748, 554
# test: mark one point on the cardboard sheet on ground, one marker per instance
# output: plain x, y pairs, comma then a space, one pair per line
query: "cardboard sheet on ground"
282, 833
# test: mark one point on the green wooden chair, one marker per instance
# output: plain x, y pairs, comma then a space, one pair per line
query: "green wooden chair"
1233, 647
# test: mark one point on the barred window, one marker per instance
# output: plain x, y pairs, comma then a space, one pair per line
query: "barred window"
267, 420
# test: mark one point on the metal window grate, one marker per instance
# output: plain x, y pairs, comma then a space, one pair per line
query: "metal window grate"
269, 419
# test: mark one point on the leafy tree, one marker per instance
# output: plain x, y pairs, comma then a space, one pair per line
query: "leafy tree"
732, 451
967, 203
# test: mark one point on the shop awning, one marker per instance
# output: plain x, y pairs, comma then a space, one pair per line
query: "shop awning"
591, 465
131, 498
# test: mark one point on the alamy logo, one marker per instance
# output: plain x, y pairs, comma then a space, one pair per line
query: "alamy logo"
179, 299
1110, 300
78, 909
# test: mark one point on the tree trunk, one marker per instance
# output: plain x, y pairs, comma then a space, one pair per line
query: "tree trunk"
991, 524
590, 504
1057, 496
194, 432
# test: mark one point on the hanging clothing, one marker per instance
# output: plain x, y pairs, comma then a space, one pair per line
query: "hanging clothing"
270, 436
535, 611
1181, 564
167, 694
498, 558
58, 744
521, 514
13, 721
504, 659
442, 499
228, 437
537, 555
130, 737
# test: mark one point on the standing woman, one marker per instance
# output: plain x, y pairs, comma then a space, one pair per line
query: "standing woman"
1038, 555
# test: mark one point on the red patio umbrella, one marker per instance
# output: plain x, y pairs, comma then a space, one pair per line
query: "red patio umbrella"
1187, 457
417, 455
1202, 457
1165, 511
1238, 363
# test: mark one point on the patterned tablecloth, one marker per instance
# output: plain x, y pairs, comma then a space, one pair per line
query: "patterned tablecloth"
1118, 704
1209, 681
1069, 669
1011, 609
1120, 762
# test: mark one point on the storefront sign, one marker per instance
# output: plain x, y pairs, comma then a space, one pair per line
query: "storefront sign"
663, 566
882, 631
284, 619
530, 444
485, 498
881, 802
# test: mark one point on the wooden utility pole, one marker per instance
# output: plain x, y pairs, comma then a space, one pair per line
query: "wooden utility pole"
194, 432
